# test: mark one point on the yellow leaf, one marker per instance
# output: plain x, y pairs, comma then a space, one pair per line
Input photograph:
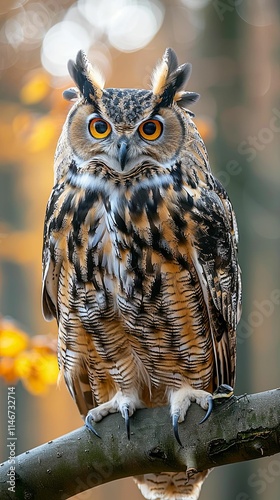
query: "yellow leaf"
36, 88
49, 368
37, 371
12, 339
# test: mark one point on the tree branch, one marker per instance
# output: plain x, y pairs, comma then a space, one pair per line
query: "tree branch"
242, 428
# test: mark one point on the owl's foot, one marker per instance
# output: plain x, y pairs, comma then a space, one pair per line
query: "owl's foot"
180, 402
222, 392
125, 404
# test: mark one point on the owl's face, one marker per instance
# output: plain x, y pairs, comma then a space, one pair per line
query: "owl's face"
123, 128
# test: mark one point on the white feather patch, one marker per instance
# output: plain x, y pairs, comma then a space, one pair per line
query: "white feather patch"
94, 75
159, 77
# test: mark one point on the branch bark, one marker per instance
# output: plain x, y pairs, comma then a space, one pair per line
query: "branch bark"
242, 428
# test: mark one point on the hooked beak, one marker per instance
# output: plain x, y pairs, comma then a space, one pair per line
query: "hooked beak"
122, 153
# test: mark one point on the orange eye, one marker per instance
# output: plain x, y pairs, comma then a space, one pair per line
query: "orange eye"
99, 128
150, 130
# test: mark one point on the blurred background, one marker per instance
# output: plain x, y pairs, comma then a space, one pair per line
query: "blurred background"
234, 48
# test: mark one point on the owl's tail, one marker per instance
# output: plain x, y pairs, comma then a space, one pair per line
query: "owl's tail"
171, 485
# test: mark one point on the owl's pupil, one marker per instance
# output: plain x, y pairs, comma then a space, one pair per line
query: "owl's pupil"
149, 128
100, 127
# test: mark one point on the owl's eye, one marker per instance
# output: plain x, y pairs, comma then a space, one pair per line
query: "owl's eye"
150, 130
99, 128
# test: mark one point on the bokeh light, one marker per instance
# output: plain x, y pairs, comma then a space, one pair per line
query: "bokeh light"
195, 4
61, 43
263, 15
128, 25
134, 26
8, 5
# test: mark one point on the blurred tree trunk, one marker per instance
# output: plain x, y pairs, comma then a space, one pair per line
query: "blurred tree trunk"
245, 97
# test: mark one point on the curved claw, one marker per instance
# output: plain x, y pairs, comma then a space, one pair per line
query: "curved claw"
175, 419
88, 424
209, 410
125, 413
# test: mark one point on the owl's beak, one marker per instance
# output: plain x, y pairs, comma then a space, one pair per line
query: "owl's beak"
122, 151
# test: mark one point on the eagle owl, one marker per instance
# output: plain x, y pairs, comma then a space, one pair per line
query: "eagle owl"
140, 256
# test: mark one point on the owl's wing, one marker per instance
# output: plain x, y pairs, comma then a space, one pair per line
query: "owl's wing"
215, 260
54, 276
51, 261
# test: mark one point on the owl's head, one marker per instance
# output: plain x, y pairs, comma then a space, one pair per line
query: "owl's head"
123, 128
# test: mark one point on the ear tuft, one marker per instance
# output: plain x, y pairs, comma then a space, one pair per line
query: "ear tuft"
184, 99
86, 76
168, 78
71, 94
167, 65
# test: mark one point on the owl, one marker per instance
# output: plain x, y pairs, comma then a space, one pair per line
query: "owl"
140, 257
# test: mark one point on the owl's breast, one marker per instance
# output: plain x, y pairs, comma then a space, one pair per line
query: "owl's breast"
125, 264
126, 239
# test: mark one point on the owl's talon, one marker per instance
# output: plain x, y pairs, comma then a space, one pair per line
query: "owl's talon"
175, 420
209, 410
89, 426
224, 391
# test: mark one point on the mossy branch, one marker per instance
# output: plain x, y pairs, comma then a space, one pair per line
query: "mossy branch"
241, 428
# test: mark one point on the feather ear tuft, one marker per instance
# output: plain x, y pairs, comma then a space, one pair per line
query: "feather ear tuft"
168, 63
87, 77
168, 78
71, 94
184, 99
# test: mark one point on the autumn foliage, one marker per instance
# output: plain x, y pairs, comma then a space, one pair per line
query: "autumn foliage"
29, 359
